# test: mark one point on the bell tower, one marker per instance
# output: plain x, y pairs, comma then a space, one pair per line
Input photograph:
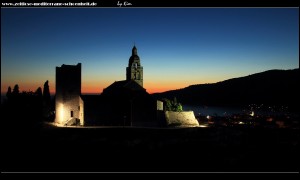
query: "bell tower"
134, 71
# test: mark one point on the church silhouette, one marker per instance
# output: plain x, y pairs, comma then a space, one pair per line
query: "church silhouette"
123, 103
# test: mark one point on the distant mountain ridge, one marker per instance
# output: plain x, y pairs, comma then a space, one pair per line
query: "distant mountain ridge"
276, 87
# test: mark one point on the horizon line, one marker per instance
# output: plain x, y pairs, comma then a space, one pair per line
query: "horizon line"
98, 93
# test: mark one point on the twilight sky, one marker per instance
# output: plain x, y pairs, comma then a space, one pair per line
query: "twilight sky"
177, 46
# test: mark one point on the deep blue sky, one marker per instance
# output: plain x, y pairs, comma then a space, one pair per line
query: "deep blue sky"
177, 46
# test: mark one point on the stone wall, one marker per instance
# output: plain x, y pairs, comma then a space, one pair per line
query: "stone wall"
81, 111
71, 107
68, 103
181, 119
159, 105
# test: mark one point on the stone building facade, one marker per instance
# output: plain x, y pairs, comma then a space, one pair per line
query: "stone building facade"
123, 103
69, 105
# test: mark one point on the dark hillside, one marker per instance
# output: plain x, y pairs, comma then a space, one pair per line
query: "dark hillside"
276, 87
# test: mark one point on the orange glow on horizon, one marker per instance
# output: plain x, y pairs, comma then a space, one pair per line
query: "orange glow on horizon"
89, 89
150, 91
93, 87
150, 88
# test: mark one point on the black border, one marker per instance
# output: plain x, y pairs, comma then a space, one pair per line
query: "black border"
169, 3
190, 4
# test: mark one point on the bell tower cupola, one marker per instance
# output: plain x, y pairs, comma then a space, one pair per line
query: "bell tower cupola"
134, 71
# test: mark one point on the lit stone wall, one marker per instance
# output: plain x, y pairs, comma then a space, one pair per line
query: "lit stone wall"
81, 112
68, 103
68, 106
159, 105
181, 119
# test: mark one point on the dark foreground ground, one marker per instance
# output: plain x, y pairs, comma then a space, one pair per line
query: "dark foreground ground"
218, 149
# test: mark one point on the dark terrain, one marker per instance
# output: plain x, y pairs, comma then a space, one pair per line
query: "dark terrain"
273, 87
226, 149
31, 145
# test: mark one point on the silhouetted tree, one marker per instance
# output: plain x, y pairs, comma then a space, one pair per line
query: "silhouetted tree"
16, 89
8, 94
46, 102
38, 92
24, 109
39, 98
46, 93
